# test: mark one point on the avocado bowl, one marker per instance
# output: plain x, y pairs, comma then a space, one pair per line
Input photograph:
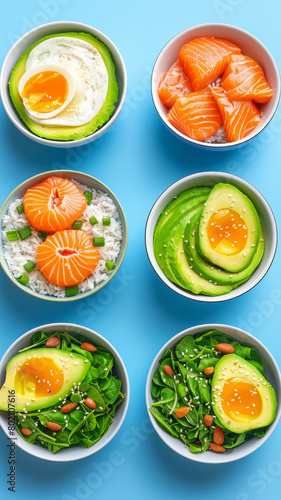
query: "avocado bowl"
73, 452
250, 46
176, 266
118, 225
110, 110
272, 375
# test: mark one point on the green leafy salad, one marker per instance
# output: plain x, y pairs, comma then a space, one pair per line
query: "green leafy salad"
211, 393
80, 391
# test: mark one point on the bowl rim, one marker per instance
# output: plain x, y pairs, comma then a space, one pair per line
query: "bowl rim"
125, 403
193, 330
20, 125
202, 144
200, 297
121, 256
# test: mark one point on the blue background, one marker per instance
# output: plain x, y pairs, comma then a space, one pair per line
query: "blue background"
138, 158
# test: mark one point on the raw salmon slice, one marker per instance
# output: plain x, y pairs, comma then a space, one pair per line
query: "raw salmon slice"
196, 115
173, 84
67, 258
204, 59
53, 204
239, 118
244, 79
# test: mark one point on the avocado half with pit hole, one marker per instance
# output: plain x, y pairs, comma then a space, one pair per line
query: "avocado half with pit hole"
243, 399
41, 378
63, 133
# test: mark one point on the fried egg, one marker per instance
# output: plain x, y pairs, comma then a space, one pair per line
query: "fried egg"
65, 82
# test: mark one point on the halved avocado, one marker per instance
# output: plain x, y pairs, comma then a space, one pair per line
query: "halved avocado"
208, 270
41, 378
225, 197
243, 399
63, 133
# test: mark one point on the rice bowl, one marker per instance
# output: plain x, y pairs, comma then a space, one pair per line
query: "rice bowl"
15, 254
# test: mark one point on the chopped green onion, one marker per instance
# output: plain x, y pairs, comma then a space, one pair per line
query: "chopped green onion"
98, 241
71, 291
29, 266
88, 196
20, 209
106, 221
77, 224
109, 265
25, 232
23, 279
12, 235
93, 220
43, 235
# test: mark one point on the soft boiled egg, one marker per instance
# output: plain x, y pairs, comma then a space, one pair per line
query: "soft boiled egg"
65, 82
46, 90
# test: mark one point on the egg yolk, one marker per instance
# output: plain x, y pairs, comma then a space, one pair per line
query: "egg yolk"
227, 232
45, 92
38, 378
241, 400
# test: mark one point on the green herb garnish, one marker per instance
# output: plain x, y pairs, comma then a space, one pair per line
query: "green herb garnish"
20, 209
12, 235
106, 221
77, 224
42, 235
71, 291
88, 196
109, 265
93, 220
25, 232
29, 266
98, 241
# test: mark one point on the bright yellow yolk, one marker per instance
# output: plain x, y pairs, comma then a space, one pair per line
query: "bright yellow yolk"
227, 232
241, 400
45, 92
38, 378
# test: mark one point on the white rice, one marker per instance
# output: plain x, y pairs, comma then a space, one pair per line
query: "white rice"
17, 253
219, 137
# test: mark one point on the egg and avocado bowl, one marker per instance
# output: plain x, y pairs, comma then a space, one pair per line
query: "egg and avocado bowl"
209, 240
65, 391
211, 392
64, 86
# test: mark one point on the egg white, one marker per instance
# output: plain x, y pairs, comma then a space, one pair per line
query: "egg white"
88, 70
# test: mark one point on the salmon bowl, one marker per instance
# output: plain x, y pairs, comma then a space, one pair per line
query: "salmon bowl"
60, 446
196, 394
63, 235
89, 90
211, 237
211, 105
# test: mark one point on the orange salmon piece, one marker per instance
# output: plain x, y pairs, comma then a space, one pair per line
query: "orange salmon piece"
67, 258
173, 84
53, 204
239, 118
204, 59
245, 79
196, 115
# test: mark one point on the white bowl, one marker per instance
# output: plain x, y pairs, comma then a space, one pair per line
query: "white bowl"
24, 43
75, 452
82, 178
272, 374
210, 179
250, 46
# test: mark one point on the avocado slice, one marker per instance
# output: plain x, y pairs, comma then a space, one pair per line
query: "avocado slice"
164, 232
67, 133
174, 264
243, 399
208, 270
41, 378
225, 197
